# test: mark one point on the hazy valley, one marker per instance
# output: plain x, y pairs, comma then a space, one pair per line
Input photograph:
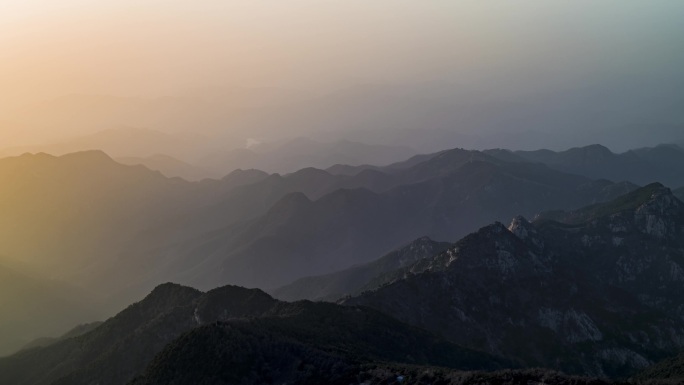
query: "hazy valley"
256, 229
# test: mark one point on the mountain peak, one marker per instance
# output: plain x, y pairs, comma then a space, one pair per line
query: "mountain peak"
495, 228
521, 227
662, 214
597, 148
242, 177
90, 155
591, 150
423, 239
168, 295
240, 173
654, 199
651, 210
290, 204
295, 198
169, 288
309, 172
230, 301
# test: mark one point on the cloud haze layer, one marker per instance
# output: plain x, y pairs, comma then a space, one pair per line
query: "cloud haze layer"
536, 58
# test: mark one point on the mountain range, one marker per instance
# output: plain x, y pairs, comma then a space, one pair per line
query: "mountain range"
592, 291
641, 166
572, 291
588, 291
96, 221
354, 280
180, 335
195, 157
235, 335
444, 197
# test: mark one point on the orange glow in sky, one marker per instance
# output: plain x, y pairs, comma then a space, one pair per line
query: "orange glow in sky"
154, 48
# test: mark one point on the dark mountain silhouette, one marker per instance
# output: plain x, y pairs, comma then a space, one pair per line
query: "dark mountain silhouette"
300, 237
345, 169
641, 166
167, 165
194, 157
251, 354
331, 287
257, 235
265, 331
85, 210
668, 371
70, 218
84, 218
123, 141
595, 290
242, 177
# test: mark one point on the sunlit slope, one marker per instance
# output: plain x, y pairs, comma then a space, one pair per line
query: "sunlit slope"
62, 212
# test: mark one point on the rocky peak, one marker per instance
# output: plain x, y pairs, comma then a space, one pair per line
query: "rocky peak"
291, 204
493, 248
651, 200
661, 201
523, 229
661, 215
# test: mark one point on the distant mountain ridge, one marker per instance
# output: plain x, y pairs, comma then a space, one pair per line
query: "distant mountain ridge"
195, 157
443, 198
641, 166
332, 287
200, 213
121, 141
167, 165
96, 220
594, 291
252, 228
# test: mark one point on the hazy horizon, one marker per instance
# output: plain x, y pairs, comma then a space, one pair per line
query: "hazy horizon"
237, 70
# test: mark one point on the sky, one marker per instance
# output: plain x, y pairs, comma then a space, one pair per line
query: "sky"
153, 48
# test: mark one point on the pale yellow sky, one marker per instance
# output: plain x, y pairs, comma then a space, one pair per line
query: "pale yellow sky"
156, 46
153, 47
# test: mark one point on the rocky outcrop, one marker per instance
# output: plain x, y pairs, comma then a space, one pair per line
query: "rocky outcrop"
593, 291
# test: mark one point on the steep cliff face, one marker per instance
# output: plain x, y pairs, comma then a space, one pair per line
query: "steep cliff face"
634, 243
595, 291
